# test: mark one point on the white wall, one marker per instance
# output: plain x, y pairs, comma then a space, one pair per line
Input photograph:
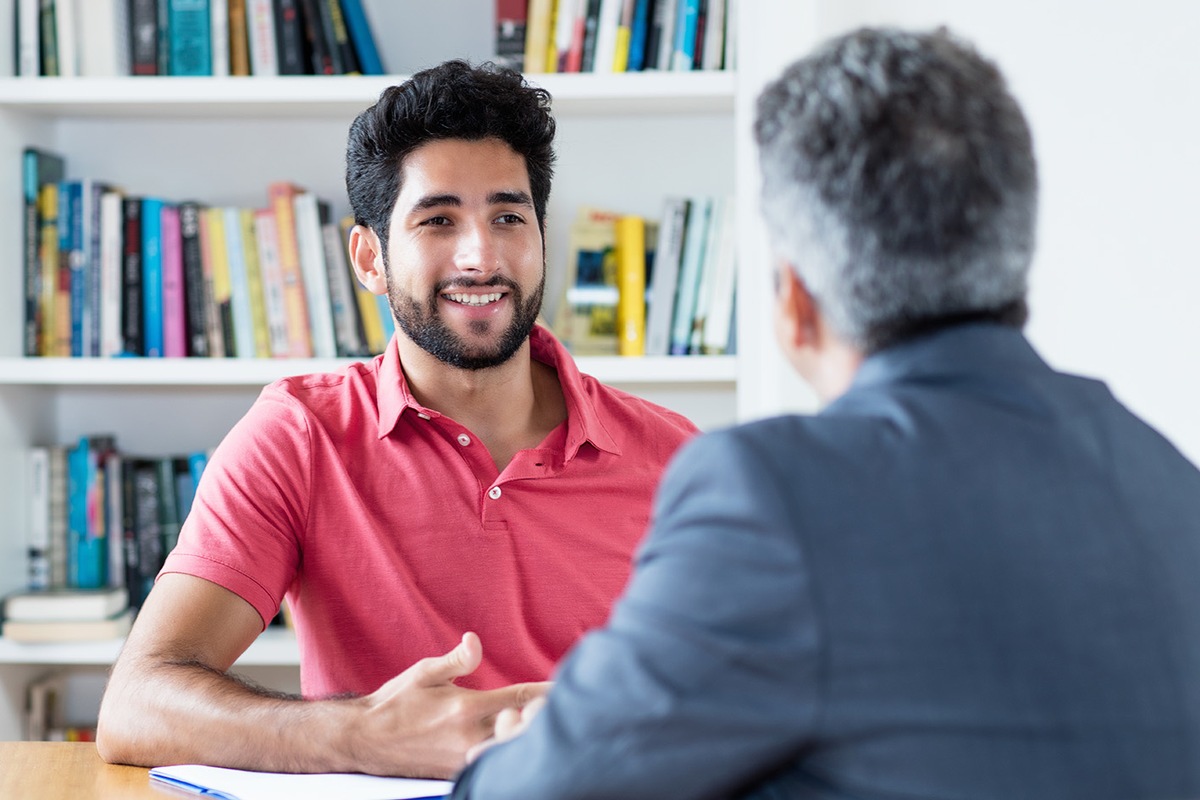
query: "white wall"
1112, 92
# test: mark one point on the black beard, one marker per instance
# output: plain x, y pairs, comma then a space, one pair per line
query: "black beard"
422, 323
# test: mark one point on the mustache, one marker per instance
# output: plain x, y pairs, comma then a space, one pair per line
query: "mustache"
464, 283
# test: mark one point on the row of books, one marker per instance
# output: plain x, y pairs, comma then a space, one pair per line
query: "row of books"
100, 519
106, 38
615, 35
637, 286
109, 273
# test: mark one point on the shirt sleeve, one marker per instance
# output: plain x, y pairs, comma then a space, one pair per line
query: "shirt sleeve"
706, 677
246, 525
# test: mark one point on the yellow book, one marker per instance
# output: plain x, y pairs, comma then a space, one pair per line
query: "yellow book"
537, 34
631, 285
254, 282
213, 230
48, 254
624, 34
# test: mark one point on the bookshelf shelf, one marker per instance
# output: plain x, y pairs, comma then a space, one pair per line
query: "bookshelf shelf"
324, 96
274, 647
134, 372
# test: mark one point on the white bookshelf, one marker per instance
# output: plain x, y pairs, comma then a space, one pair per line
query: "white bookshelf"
624, 143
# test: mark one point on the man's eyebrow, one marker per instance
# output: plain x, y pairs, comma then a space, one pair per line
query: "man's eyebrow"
513, 197
436, 201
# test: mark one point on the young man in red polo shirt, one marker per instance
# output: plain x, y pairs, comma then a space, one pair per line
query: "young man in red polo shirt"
467, 486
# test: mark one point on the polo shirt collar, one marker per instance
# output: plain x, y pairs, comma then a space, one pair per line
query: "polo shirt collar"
583, 419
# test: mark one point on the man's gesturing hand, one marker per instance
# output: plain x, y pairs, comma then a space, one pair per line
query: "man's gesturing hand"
420, 725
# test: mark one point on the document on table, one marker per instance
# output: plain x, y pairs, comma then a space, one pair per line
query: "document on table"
235, 784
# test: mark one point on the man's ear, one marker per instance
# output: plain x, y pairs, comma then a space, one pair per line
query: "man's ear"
365, 257
796, 312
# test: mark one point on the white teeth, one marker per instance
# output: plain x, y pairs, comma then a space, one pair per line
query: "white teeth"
475, 299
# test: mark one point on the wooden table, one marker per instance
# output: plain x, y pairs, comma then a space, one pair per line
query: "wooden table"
69, 771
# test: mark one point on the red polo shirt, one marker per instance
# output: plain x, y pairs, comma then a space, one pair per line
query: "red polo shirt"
391, 533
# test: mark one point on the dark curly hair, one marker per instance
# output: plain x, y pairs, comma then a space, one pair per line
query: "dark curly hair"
453, 100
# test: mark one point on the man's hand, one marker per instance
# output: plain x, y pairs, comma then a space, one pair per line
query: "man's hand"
421, 725
510, 723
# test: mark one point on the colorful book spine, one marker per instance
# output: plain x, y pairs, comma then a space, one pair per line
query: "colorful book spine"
194, 289
190, 36
309, 212
631, 285
665, 278
133, 330
239, 285
362, 37
39, 169
152, 276
267, 238
254, 282
684, 49
280, 195
691, 263
174, 313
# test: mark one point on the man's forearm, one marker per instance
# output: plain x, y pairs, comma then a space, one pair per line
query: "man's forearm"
186, 712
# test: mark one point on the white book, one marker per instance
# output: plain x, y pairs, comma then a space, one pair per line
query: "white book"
266, 232
69, 630
66, 33
38, 528
665, 275
704, 287
731, 34
60, 605
606, 35
723, 283
111, 244
566, 15
260, 29
714, 36
29, 39
312, 267
219, 36
239, 297
100, 38
114, 504
666, 11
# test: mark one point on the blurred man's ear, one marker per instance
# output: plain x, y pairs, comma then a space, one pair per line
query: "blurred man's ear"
796, 312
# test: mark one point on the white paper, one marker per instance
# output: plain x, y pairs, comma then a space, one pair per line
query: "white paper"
236, 784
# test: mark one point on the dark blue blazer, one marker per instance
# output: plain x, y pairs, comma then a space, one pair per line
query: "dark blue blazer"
969, 577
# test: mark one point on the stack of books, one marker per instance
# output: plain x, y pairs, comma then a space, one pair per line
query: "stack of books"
68, 615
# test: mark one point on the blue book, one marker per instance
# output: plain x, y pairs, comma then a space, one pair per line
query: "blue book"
638, 36
688, 286
385, 316
74, 199
190, 37
197, 461
239, 282
362, 38
683, 54
152, 273
87, 541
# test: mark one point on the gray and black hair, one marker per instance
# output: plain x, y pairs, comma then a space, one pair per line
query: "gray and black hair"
899, 179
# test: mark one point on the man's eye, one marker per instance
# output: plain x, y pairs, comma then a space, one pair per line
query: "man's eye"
510, 219
436, 221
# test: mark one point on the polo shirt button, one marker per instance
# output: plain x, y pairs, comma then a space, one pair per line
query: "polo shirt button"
463, 439
494, 492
